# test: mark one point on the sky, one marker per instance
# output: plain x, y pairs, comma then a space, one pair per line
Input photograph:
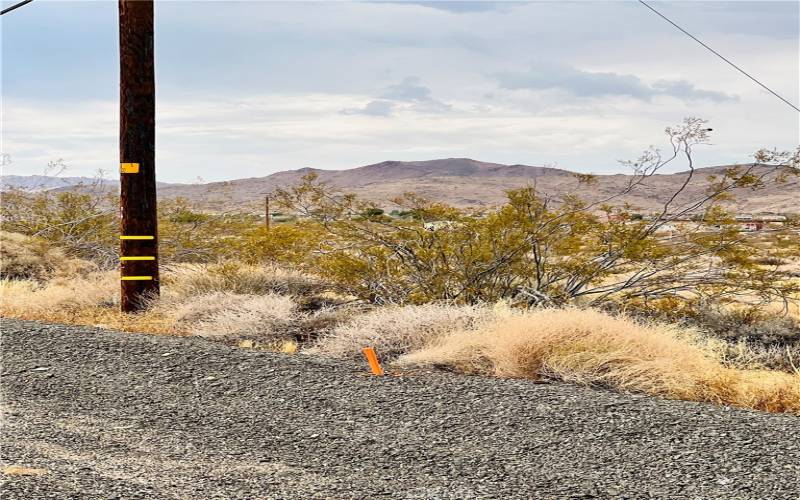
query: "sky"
245, 89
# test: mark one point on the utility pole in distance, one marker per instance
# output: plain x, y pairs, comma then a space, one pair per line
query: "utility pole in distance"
266, 210
139, 223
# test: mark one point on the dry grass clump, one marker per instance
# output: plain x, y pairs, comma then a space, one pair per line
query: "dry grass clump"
230, 315
235, 301
283, 309
755, 356
191, 280
766, 338
765, 326
59, 295
393, 331
25, 257
223, 301
21, 470
592, 348
82, 300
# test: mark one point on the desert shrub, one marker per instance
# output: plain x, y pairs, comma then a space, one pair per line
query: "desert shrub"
266, 319
593, 348
58, 296
191, 280
771, 260
533, 250
223, 234
91, 299
753, 338
284, 244
539, 250
763, 327
85, 223
235, 316
396, 330
82, 223
191, 310
25, 257
576, 345
314, 324
234, 300
758, 356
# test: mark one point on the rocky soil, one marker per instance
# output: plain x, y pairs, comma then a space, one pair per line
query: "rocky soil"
96, 414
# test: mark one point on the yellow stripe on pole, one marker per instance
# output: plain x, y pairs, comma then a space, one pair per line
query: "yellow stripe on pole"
136, 278
136, 237
137, 257
129, 168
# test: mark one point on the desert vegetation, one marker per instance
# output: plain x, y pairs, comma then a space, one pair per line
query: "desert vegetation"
538, 287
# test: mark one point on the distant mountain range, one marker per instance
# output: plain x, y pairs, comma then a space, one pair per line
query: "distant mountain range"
35, 183
38, 183
459, 181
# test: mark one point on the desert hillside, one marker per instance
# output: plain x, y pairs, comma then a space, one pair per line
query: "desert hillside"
465, 182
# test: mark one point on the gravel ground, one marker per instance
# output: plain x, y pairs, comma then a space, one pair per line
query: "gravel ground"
113, 415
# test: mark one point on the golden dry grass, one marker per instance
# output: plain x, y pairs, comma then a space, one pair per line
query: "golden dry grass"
393, 331
224, 302
592, 348
19, 470
81, 300
258, 306
794, 308
186, 280
226, 314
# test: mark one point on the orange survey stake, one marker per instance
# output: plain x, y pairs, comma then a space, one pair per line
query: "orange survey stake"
369, 353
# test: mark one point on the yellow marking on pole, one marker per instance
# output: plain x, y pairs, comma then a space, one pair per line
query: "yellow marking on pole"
372, 358
143, 257
136, 278
136, 237
129, 168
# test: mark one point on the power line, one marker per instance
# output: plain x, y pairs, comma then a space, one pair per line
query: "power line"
4, 11
720, 56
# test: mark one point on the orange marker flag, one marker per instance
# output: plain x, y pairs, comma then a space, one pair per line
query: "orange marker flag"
372, 358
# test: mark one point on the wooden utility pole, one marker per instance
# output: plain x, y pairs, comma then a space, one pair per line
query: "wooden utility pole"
266, 207
139, 235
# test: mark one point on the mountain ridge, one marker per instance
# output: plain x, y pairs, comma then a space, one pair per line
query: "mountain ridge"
467, 182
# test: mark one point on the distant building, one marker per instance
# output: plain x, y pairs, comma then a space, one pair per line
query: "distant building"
771, 218
438, 225
666, 229
749, 227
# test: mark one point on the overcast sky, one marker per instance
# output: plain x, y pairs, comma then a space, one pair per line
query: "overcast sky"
249, 88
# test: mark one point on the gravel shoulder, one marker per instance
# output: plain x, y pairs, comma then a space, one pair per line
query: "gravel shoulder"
117, 415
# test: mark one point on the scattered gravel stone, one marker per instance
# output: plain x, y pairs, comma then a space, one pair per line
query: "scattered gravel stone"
113, 417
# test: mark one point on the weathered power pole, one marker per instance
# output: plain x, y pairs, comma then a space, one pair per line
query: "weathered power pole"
139, 235
266, 208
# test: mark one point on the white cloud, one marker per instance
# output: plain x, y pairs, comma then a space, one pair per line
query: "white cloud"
228, 138
249, 88
409, 95
545, 75
379, 107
